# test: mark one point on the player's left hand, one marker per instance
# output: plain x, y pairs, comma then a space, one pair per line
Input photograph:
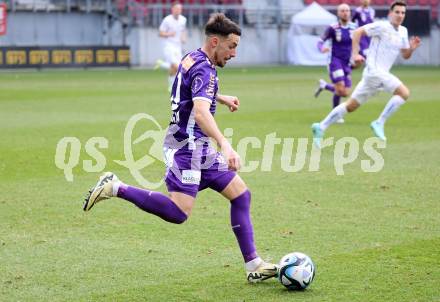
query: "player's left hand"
232, 102
414, 42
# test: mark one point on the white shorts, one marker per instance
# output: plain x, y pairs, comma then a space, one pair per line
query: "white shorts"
372, 83
173, 55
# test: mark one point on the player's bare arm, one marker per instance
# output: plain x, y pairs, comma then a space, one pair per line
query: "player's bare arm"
356, 58
166, 34
206, 122
414, 43
232, 102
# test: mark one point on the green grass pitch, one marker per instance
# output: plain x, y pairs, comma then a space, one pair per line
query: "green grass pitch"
372, 236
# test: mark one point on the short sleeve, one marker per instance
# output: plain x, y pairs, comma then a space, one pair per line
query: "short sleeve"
405, 41
203, 84
374, 29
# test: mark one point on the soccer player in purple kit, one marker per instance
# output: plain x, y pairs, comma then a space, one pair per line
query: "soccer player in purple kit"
192, 164
362, 15
339, 68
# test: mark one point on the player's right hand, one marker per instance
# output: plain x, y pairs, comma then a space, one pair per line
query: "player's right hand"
234, 162
357, 61
325, 50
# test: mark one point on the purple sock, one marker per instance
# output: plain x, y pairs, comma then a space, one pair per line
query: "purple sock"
153, 202
336, 100
242, 225
330, 87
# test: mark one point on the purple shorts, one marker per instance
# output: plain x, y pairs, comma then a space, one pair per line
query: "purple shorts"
340, 71
189, 172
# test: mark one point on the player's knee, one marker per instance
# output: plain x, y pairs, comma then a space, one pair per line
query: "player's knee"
235, 188
181, 208
352, 105
243, 201
403, 92
406, 93
341, 90
344, 93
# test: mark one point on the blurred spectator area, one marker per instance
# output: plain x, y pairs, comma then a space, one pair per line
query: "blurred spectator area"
59, 5
253, 12
433, 5
249, 12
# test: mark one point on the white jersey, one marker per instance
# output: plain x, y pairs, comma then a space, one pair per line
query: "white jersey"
171, 24
386, 43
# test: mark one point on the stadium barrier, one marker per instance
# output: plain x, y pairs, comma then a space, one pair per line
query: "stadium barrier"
71, 56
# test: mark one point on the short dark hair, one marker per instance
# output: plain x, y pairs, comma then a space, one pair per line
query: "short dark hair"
219, 24
397, 3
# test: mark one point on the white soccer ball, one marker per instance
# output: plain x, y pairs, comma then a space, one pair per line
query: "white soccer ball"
296, 271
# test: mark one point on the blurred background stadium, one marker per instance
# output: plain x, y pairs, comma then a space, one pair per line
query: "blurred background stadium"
124, 32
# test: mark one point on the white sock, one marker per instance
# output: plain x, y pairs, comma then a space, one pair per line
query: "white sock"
115, 188
393, 104
165, 65
253, 264
170, 82
334, 115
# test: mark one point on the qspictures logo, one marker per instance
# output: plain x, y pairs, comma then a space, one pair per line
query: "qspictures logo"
305, 157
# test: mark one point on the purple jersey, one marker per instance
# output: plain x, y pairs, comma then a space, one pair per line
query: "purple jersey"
192, 164
363, 16
340, 37
196, 79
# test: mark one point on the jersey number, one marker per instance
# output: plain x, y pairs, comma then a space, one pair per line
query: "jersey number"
175, 100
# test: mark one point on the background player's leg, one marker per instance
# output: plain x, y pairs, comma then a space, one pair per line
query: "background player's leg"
339, 92
401, 93
336, 100
330, 87
337, 113
397, 100
359, 96
323, 85
162, 64
342, 89
172, 75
